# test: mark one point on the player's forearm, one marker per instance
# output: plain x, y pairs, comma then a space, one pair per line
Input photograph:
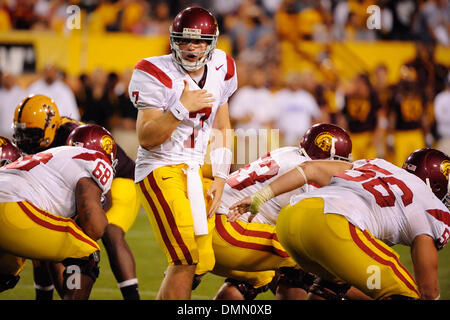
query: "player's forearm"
91, 217
155, 132
425, 261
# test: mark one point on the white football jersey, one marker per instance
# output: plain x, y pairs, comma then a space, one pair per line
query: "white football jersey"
157, 82
48, 179
254, 176
391, 203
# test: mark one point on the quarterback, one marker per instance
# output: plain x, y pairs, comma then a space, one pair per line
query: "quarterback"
44, 193
180, 98
342, 232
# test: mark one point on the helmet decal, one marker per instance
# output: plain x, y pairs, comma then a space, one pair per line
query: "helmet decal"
107, 144
445, 168
324, 141
3, 142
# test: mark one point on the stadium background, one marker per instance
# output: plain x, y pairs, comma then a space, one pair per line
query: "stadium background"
321, 47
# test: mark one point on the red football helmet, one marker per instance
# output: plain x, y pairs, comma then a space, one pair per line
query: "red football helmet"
326, 141
94, 137
193, 23
433, 167
8, 151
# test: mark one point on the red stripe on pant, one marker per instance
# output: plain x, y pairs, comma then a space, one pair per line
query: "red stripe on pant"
54, 227
170, 218
164, 236
379, 259
243, 244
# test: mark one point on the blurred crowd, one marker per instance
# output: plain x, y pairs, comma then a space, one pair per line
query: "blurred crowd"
384, 119
245, 21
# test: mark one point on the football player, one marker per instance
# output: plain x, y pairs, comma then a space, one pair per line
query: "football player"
342, 232
254, 246
38, 127
8, 151
181, 97
44, 193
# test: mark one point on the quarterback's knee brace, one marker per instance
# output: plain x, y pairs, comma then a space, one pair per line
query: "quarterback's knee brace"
87, 266
329, 290
246, 289
8, 281
296, 278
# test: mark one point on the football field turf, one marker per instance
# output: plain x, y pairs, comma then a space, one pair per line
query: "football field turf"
151, 263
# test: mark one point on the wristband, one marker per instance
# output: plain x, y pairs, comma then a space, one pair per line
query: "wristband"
259, 198
179, 111
221, 162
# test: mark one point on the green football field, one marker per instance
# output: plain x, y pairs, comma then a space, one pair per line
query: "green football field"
151, 263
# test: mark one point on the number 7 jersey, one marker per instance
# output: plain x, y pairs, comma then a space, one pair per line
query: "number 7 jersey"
48, 179
157, 83
391, 203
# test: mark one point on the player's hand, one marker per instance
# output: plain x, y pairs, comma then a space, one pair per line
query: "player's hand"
194, 100
215, 192
238, 209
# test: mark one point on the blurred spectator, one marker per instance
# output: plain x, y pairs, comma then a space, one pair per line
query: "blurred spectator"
89, 97
224, 10
433, 22
51, 85
296, 109
442, 116
251, 107
5, 17
362, 117
10, 96
407, 116
22, 12
430, 74
286, 21
132, 13
160, 21
249, 27
403, 13
106, 16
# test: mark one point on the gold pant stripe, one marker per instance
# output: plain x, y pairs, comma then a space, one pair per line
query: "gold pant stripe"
159, 222
69, 227
226, 231
397, 268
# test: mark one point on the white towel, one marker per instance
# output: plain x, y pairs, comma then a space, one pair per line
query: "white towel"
196, 199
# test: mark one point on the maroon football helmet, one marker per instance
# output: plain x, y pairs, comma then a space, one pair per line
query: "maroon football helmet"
193, 23
94, 137
8, 151
326, 141
433, 167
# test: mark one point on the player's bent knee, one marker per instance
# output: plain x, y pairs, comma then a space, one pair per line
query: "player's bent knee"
8, 281
329, 290
248, 291
88, 266
296, 278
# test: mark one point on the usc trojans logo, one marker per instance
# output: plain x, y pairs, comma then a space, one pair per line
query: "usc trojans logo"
323, 141
107, 144
445, 168
2, 142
